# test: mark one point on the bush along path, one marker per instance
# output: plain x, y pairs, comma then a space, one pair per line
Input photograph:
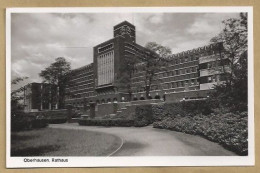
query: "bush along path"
191, 117
228, 129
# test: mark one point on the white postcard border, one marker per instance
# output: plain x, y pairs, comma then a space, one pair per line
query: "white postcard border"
19, 162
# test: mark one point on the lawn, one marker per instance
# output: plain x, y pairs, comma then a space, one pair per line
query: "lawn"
62, 142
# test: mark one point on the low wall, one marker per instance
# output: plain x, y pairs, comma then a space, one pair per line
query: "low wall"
145, 102
53, 116
105, 109
177, 97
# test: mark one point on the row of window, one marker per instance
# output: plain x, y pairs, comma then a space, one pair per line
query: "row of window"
188, 68
188, 73
213, 64
79, 88
85, 78
86, 69
212, 78
107, 92
178, 72
78, 75
186, 59
106, 47
168, 79
89, 94
179, 84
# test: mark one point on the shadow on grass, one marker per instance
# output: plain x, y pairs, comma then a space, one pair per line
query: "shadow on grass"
15, 137
34, 151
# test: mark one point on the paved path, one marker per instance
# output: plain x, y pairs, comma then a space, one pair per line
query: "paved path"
148, 141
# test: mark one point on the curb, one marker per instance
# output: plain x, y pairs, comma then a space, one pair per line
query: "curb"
122, 143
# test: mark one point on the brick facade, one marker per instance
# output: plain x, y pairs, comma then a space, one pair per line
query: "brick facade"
38, 96
189, 75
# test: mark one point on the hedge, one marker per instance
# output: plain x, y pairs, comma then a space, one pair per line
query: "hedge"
52, 116
230, 130
190, 108
24, 121
147, 114
198, 118
57, 121
143, 115
106, 122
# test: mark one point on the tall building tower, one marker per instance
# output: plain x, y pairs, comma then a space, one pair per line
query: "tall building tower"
108, 57
125, 30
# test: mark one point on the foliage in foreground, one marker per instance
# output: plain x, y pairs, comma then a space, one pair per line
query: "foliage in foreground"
229, 129
17, 94
232, 94
21, 121
106, 122
57, 74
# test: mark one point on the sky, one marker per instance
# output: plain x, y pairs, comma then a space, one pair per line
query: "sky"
38, 38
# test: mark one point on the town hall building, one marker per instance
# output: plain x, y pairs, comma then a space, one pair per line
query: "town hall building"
190, 75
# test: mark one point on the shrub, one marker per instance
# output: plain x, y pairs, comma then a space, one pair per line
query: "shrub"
57, 120
161, 111
143, 115
106, 122
39, 122
51, 116
24, 121
229, 129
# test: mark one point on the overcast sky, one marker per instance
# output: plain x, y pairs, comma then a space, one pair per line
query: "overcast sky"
37, 39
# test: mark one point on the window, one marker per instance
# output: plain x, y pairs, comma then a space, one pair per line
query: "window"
192, 82
214, 64
210, 79
209, 65
214, 78
173, 85
106, 47
177, 72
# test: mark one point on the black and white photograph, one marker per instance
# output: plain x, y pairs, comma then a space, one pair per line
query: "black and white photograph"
98, 87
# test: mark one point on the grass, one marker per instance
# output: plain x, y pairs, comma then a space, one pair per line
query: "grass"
62, 142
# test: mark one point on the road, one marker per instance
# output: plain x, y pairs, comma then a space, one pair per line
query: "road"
148, 141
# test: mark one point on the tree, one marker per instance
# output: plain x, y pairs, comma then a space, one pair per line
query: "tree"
16, 95
233, 92
57, 75
124, 81
154, 61
154, 58
234, 43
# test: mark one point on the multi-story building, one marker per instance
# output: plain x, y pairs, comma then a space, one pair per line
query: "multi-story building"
81, 89
39, 96
190, 74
